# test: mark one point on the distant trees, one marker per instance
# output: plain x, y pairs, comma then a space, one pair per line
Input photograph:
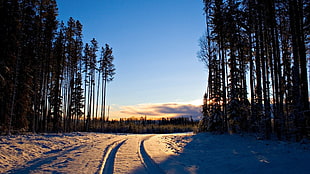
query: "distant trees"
255, 52
47, 75
144, 125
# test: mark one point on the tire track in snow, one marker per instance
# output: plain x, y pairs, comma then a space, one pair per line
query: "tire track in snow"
38, 162
147, 161
107, 165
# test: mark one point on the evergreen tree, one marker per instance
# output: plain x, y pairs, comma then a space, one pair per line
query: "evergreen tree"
108, 71
48, 24
56, 81
86, 84
77, 95
89, 59
10, 58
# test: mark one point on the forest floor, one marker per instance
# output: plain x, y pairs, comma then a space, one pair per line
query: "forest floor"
150, 153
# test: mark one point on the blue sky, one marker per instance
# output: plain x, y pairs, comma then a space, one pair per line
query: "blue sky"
154, 44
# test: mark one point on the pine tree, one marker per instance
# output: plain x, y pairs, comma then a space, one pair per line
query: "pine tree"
48, 25
86, 84
9, 40
77, 95
213, 111
89, 59
108, 71
56, 81
300, 81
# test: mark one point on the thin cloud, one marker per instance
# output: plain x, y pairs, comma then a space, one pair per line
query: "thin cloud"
162, 110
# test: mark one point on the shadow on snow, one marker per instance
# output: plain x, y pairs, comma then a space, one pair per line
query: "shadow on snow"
209, 153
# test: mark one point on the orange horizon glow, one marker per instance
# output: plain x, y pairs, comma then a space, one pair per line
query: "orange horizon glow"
155, 111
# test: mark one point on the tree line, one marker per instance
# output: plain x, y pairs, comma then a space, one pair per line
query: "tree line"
144, 125
256, 55
49, 79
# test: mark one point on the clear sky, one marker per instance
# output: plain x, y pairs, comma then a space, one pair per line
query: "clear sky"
154, 44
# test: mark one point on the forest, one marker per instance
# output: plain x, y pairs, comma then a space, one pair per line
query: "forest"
49, 79
145, 125
257, 57
54, 86
256, 54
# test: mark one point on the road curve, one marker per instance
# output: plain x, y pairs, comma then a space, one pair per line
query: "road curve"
128, 155
147, 161
107, 165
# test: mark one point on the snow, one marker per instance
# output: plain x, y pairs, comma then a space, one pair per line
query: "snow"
150, 153
208, 153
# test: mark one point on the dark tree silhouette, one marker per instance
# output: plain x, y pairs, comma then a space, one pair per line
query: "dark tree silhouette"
261, 44
41, 70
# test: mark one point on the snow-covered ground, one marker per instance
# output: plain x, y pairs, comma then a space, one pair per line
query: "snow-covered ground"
146, 153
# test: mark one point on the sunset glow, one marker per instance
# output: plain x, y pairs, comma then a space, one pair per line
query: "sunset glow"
157, 110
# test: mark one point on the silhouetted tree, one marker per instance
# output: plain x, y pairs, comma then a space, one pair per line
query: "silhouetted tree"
108, 71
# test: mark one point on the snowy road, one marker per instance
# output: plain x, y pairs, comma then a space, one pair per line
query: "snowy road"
141, 154
109, 154
128, 156
79, 153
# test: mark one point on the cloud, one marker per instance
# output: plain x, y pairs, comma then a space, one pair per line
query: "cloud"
161, 110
